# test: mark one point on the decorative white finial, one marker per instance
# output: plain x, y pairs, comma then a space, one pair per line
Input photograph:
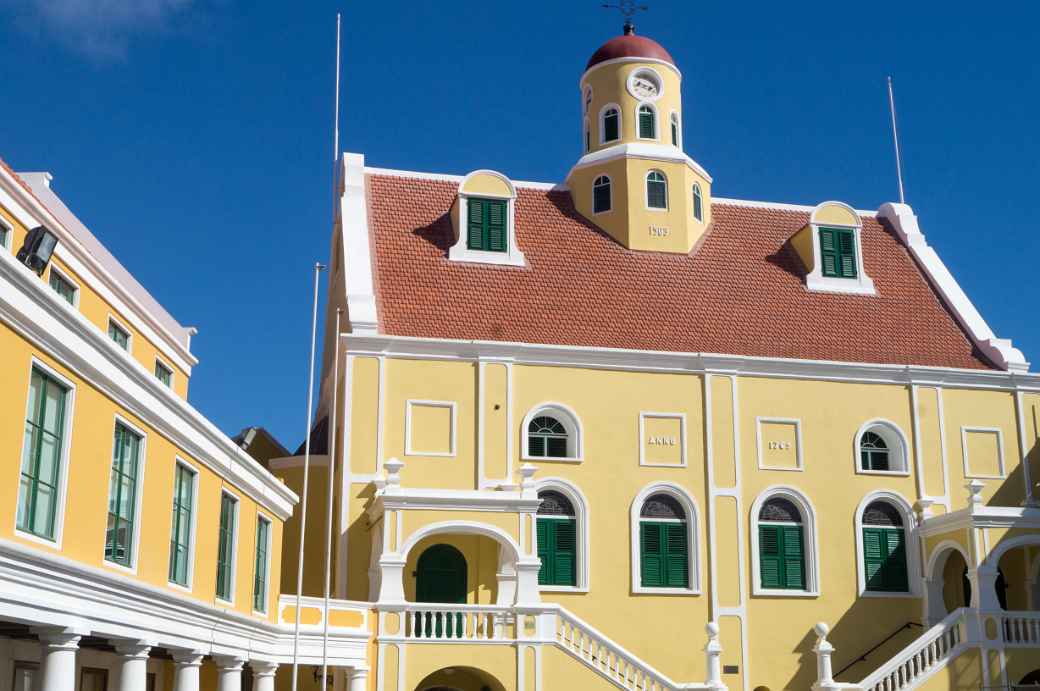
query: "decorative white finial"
924, 507
713, 657
974, 488
822, 630
527, 472
823, 650
393, 472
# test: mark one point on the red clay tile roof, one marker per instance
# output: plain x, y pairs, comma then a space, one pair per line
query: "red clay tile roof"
741, 292
629, 46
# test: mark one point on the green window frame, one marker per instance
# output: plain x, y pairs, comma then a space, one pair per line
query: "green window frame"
43, 449
5, 235
601, 195
698, 203
664, 554
263, 546
122, 496
647, 122
656, 190
62, 286
781, 556
547, 438
163, 373
611, 124
558, 550
181, 531
226, 546
838, 252
118, 334
884, 560
675, 129
488, 221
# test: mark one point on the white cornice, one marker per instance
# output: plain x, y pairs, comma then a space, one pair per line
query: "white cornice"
634, 59
359, 282
456, 179
650, 152
36, 312
390, 498
983, 517
662, 361
779, 206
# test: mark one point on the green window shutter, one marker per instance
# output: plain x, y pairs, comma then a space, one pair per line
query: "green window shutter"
794, 557
874, 548
487, 225
496, 226
565, 558
41, 456
677, 557
651, 555
884, 560
610, 126
896, 578
838, 252
180, 538
475, 237
847, 250
122, 497
545, 551
226, 547
769, 561
829, 252
263, 527
647, 130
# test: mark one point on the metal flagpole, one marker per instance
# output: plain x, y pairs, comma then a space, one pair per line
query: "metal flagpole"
895, 138
330, 477
306, 473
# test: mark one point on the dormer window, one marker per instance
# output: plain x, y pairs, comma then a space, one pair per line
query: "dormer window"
838, 251
647, 122
610, 124
831, 249
484, 220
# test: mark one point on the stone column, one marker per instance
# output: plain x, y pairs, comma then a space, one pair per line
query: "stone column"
229, 672
357, 680
133, 665
263, 674
186, 671
984, 593
58, 665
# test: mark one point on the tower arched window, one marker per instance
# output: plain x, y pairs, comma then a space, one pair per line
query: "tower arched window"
647, 122
656, 190
698, 203
664, 550
884, 549
557, 529
610, 126
588, 136
675, 129
781, 545
601, 195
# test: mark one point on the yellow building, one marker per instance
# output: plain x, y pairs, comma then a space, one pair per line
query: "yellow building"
622, 432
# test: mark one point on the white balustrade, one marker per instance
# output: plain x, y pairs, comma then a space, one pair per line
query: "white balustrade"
1020, 629
458, 623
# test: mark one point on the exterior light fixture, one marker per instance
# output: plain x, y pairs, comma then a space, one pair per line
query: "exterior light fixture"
37, 249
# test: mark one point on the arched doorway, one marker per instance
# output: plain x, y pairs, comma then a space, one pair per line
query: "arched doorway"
460, 679
441, 576
1030, 681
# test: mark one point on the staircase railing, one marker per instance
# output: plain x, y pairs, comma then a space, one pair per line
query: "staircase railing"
863, 658
930, 651
1020, 629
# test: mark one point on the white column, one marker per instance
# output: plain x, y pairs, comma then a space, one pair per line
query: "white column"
357, 679
713, 657
527, 592
263, 674
58, 666
133, 665
186, 672
229, 672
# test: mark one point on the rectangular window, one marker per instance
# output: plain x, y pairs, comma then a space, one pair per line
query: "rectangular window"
664, 555
5, 235
122, 496
263, 545
92, 679
557, 548
163, 373
226, 546
118, 334
180, 535
838, 252
41, 455
63, 287
610, 126
781, 557
25, 676
646, 124
884, 559
487, 224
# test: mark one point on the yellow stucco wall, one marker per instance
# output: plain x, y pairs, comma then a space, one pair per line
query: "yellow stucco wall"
609, 83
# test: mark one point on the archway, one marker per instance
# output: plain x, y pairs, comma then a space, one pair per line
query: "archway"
1030, 681
441, 576
947, 589
459, 679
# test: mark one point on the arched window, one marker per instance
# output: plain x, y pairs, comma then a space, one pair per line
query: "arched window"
675, 129
698, 203
586, 100
611, 124
781, 546
873, 452
647, 122
880, 448
546, 438
588, 137
664, 551
601, 199
884, 549
551, 432
557, 540
656, 190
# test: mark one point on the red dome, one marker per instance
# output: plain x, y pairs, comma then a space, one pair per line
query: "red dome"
629, 46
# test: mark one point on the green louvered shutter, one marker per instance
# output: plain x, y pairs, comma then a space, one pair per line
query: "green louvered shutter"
651, 556
896, 579
829, 252
884, 560
677, 557
794, 557
475, 237
545, 550
769, 560
847, 250
496, 226
874, 548
647, 130
565, 558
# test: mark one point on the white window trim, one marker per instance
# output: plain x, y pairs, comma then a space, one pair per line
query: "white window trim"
654, 76
913, 564
797, 437
674, 118
965, 430
68, 279
657, 122
142, 455
194, 524
890, 432
809, 538
816, 281
66, 452
681, 417
646, 192
261, 516
689, 505
697, 192
408, 450
8, 235
125, 329
610, 189
571, 422
234, 546
461, 252
586, 136
168, 368
602, 124
581, 518
586, 100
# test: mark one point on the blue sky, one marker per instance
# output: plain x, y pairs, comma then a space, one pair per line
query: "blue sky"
194, 136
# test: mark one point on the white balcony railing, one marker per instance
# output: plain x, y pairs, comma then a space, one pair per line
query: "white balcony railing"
1020, 629
446, 623
933, 649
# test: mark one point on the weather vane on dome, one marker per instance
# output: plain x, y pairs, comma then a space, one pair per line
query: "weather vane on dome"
628, 9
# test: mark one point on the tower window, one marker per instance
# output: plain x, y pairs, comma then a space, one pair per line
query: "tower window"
675, 129
656, 190
647, 122
588, 137
838, 251
587, 100
611, 124
601, 200
487, 224
698, 203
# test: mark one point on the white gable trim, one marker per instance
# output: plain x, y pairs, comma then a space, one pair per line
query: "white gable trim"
362, 311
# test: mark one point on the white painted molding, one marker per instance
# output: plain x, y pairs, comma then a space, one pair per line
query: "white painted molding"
68, 279
799, 453
810, 540
601, 135
362, 309
999, 433
693, 543
681, 417
622, 61
653, 76
1000, 350
410, 450
583, 521
641, 150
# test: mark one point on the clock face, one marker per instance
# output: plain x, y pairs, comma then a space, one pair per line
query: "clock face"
645, 85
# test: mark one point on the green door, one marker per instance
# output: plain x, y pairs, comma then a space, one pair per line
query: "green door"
440, 578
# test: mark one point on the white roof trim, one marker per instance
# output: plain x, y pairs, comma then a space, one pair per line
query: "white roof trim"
780, 206
653, 152
362, 310
457, 179
1000, 350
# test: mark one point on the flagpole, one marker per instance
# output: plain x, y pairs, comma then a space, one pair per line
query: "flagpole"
318, 266
895, 138
330, 478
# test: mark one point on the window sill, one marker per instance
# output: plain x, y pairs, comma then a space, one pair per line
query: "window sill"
888, 473
551, 459
862, 285
881, 594
769, 592
430, 454
461, 253
258, 613
666, 591
39, 539
178, 586
563, 589
131, 570
224, 603
799, 469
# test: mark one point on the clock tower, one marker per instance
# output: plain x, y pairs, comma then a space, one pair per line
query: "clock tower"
634, 179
